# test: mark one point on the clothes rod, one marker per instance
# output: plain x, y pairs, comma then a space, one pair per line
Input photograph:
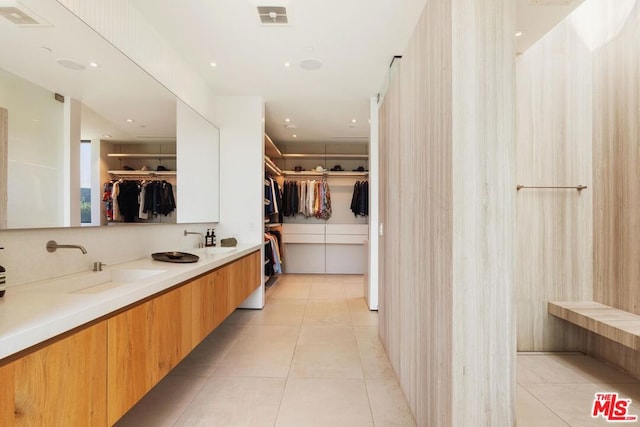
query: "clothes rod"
577, 187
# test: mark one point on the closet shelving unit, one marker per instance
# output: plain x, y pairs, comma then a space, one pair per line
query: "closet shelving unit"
270, 152
141, 173
334, 246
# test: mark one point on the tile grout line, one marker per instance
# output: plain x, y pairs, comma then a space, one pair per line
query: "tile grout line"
293, 354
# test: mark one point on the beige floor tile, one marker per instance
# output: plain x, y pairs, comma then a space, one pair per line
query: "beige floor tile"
374, 360
327, 312
360, 313
262, 351
202, 360
326, 352
354, 290
327, 290
546, 369
532, 413
240, 316
324, 402
292, 290
388, 403
573, 403
236, 402
353, 278
298, 278
327, 334
286, 312
594, 370
165, 403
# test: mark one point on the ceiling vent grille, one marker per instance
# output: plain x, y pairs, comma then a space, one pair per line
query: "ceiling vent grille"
22, 17
273, 15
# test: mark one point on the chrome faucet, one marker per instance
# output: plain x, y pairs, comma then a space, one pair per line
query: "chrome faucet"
200, 243
52, 246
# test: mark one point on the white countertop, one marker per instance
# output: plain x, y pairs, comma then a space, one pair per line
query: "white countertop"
33, 313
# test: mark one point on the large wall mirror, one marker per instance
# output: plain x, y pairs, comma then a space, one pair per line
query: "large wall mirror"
78, 117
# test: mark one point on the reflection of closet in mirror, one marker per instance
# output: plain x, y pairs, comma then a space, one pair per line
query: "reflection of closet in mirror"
147, 171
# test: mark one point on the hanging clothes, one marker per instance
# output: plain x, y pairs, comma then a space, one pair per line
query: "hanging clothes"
360, 198
311, 198
129, 200
273, 253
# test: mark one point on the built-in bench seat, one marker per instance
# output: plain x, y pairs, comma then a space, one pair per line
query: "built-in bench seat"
617, 325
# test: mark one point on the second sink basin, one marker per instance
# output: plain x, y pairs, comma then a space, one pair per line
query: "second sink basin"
90, 282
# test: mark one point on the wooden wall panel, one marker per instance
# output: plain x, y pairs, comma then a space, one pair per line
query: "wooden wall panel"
616, 155
483, 166
554, 228
447, 167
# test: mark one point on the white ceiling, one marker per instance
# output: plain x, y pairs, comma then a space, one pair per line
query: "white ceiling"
354, 39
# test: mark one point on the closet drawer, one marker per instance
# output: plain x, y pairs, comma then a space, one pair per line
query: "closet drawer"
346, 239
347, 229
303, 229
303, 238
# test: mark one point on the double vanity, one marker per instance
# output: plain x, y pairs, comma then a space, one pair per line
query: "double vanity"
84, 348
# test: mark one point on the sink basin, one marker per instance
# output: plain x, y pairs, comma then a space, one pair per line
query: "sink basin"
90, 282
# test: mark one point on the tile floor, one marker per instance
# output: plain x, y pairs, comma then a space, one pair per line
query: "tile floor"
559, 389
312, 357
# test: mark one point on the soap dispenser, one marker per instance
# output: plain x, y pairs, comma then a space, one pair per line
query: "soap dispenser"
208, 240
3, 280
213, 237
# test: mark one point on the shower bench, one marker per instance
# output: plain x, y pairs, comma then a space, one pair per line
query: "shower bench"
617, 325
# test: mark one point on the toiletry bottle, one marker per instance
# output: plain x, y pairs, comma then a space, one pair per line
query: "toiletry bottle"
213, 237
207, 239
3, 280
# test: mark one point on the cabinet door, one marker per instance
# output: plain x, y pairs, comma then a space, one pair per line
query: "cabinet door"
144, 344
62, 384
7, 396
244, 278
202, 297
209, 303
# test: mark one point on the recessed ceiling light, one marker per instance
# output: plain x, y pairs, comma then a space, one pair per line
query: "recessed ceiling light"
129, 120
47, 49
287, 120
287, 64
519, 34
213, 64
106, 136
354, 121
294, 135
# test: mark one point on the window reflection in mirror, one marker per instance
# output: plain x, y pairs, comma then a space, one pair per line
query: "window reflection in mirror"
85, 183
34, 154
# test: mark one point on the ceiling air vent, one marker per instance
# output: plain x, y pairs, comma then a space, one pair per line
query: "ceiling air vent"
273, 15
22, 17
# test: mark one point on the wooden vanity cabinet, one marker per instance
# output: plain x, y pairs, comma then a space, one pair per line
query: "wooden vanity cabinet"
150, 339
92, 376
144, 343
60, 384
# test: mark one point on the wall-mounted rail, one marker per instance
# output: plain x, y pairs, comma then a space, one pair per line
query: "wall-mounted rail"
576, 187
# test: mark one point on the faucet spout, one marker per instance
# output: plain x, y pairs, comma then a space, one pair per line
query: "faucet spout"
52, 246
